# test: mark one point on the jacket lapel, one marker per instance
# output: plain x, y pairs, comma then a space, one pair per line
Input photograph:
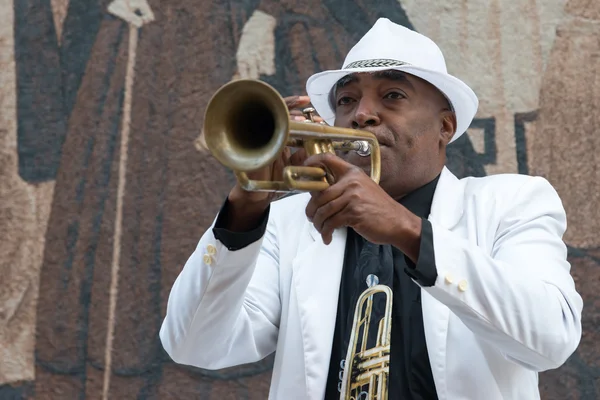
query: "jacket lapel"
317, 271
446, 211
447, 205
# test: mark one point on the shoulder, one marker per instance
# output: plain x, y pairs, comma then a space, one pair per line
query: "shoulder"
502, 183
514, 192
507, 185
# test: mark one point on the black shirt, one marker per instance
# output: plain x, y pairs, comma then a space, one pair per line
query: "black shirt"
410, 374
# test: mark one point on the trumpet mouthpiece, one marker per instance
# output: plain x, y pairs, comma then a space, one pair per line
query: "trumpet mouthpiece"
364, 150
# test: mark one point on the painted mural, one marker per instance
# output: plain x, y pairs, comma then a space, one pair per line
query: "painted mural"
105, 191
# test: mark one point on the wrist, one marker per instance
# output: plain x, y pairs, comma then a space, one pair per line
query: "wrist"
245, 209
252, 201
406, 235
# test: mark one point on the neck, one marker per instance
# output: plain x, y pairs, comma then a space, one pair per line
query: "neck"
410, 187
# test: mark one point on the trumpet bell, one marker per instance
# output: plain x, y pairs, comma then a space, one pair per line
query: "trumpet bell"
246, 125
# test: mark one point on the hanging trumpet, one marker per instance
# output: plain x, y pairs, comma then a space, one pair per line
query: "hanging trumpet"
247, 126
367, 363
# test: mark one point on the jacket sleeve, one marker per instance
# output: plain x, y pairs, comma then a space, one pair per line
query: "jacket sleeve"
520, 297
237, 240
224, 307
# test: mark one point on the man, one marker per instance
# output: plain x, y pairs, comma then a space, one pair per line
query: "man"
472, 274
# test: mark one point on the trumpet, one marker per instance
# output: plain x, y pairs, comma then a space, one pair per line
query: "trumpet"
366, 368
247, 126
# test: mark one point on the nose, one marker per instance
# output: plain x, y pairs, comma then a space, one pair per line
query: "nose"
365, 114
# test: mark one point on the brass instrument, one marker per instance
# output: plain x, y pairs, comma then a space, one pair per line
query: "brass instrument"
366, 370
247, 126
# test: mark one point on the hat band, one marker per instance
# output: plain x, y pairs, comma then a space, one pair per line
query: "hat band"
380, 62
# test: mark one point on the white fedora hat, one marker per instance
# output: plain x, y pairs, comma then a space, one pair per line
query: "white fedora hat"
391, 46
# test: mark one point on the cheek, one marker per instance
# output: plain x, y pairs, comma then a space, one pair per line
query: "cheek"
405, 141
405, 135
407, 152
420, 136
342, 120
393, 161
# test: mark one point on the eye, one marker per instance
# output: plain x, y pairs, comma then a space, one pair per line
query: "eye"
394, 95
344, 100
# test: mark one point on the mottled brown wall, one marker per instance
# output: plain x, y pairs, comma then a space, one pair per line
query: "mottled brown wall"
64, 101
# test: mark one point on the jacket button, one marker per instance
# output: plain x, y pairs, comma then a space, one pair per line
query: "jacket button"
207, 259
210, 249
462, 286
449, 279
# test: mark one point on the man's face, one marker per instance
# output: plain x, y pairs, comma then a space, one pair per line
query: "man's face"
410, 118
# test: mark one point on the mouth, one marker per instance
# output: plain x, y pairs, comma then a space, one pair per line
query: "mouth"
382, 139
383, 143
357, 157
359, 160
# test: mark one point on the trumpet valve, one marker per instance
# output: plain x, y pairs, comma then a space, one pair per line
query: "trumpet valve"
308, 114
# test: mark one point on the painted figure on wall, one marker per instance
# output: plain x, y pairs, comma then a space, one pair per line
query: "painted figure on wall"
165, 181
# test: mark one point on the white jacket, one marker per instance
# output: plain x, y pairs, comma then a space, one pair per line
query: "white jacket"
504, 305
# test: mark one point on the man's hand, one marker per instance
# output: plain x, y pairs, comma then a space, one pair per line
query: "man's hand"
355, 201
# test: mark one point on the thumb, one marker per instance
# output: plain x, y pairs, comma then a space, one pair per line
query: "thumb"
296, 101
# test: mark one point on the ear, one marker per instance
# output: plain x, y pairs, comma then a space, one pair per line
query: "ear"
448, 127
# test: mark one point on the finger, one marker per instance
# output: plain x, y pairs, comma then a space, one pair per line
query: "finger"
296, 101
319, 199
338, 220
298, 157
299, 113
280, 163
327, 211
333, 164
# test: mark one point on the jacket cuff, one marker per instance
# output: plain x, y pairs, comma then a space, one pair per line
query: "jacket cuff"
238, 240
424, 272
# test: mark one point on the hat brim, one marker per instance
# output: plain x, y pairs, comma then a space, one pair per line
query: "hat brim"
461, 96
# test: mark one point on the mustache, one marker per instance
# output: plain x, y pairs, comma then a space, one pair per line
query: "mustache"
384, 136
